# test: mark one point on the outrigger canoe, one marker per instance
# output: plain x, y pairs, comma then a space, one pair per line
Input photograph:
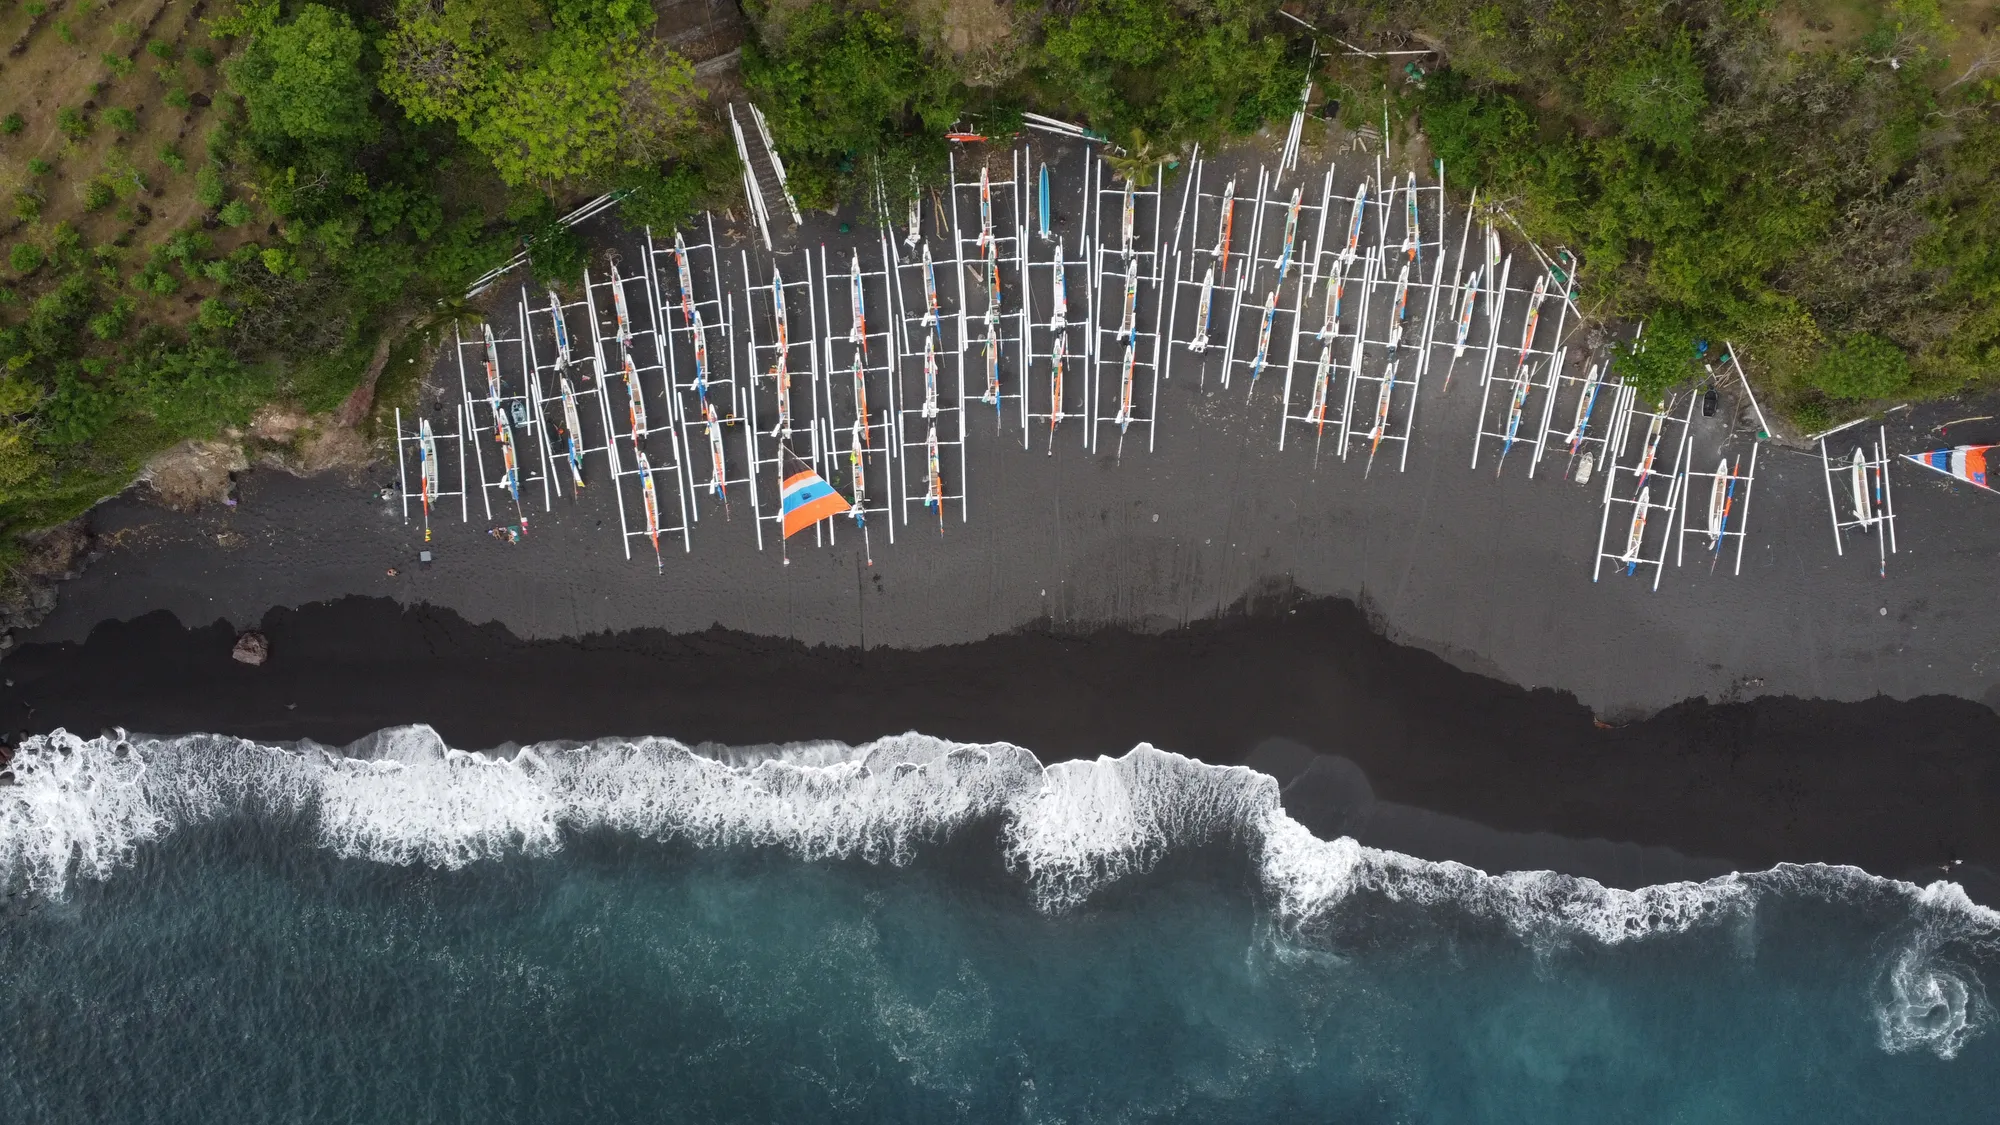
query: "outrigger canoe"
1718, 503
1202, 312
1636, 538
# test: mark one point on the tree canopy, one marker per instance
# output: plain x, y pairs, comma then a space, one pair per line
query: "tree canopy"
556, 93
303, 82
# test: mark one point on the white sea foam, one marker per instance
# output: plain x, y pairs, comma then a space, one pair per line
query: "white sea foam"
80, 807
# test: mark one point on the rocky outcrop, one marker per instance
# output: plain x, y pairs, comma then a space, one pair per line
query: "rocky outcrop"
28, 593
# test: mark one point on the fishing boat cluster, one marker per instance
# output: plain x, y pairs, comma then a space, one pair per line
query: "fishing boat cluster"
823, 386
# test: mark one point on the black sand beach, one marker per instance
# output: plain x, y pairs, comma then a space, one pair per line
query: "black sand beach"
1436, 628
1899, 788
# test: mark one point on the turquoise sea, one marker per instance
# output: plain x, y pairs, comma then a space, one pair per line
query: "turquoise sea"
208, 930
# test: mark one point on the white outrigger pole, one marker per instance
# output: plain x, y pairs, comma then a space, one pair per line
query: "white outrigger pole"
784, 359
1534, 369
1202, 276
1128, 270
1648, 474
507, 412
860, 387
929, 400
1407, 337
630, 350
710, 406
1863, 483
567, 385
992, 261
1725, 494
1306, 326
1055, 372
423, 447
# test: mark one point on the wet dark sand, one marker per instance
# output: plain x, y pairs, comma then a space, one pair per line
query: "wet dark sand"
1457, 765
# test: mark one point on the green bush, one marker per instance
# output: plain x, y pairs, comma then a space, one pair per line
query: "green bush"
96, 194
171, 157
208, 186
157, 279
235, 213
161, 50
1861, 367
118, 65
27, 206
73, 124
178, 98
12, 124
122, 119
36, 10
556, 254
39, 167
25, 257
65, 33
112, 323
203, 57
214, 316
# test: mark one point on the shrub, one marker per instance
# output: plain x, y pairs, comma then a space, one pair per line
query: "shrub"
96, 194
178, 98
13, 123
276, 260
118, 65
556, 253
39, 167
27, 206
156, 279
122, 119
171, 157
37, 10
26, 257
125, 29
1860, 367
214, 315
64, 33
112, 323
208, 186
203, 57
161, 50
236, 213
73, 124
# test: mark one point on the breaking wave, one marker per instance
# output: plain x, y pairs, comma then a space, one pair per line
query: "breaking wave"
80, 808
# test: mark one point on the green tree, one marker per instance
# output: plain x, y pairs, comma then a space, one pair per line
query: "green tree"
559, 94
586, 109
304, 82
848, 84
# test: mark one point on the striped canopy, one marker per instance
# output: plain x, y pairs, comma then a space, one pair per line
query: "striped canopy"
808, 499
1965, 462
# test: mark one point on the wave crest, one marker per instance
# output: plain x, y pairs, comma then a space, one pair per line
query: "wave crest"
79, 808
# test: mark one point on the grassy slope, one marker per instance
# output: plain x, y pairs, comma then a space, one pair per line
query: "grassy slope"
152, 199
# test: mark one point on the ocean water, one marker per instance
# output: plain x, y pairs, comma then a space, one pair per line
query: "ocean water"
208, 930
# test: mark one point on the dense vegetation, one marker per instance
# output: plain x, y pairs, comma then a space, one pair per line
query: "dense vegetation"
1815, 182
352, 167
211, 214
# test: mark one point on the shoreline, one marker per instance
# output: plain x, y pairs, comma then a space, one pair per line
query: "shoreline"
1369, 738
